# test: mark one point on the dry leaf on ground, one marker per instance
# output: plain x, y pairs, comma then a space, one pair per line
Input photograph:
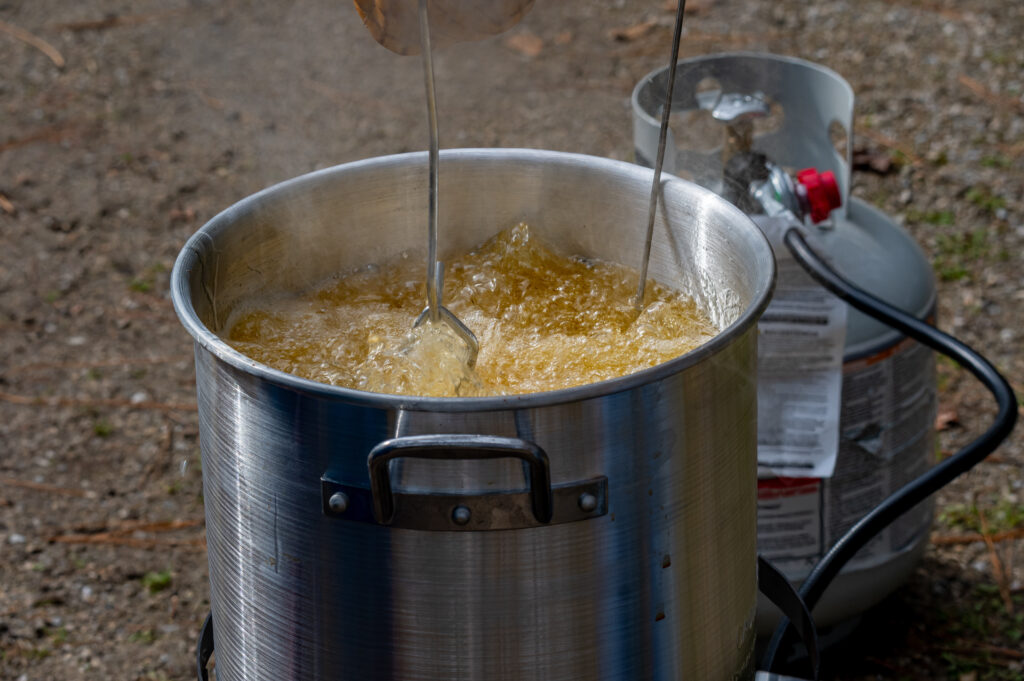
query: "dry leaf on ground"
634, 32
873, 161
946, 419
692, 7
525, 44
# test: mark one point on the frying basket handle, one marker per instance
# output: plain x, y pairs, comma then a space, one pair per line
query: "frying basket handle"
458, 447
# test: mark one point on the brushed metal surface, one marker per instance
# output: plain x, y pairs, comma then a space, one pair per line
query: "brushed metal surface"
663, 586
458, 447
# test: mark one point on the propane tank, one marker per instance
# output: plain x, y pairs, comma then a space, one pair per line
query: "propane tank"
846, 404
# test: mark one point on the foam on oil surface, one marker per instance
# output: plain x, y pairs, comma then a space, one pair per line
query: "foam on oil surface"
544, 321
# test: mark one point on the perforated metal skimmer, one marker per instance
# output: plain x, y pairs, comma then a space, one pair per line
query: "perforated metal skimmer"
435, 311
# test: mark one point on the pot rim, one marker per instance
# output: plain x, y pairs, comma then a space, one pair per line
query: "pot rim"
210, 341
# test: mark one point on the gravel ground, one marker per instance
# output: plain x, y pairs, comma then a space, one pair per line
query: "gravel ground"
161, 113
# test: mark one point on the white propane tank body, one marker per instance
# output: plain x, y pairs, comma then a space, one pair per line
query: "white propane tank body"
886, 430
888, 398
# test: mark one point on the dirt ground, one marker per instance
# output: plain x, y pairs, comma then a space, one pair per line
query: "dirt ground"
126, 124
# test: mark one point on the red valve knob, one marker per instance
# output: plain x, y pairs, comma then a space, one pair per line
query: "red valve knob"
822, 192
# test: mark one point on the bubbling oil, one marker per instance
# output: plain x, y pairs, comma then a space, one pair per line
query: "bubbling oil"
544, 321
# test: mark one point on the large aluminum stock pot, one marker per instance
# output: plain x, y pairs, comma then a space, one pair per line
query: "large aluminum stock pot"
594, 533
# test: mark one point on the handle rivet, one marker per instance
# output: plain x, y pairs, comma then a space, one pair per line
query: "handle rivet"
338, 503
587, 502
461, 515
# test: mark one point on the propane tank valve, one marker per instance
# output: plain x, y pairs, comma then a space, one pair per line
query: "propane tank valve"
751, 179
818, 192
772, 191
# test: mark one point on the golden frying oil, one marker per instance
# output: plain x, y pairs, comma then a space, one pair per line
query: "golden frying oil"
544, 321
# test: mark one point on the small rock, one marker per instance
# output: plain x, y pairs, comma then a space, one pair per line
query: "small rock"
16, 539
139, 397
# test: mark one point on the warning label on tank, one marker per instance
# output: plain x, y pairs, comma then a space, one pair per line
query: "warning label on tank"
886, 440
789, 521
799, 377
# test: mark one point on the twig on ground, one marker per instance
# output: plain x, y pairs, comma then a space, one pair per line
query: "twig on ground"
158, 526
1005, 652
133, 542
41, 487
121, 535
24, 36
991, 97
53, 133
116, 362
971, 648
974, 537
129, 526
94, 402
1002, 578
115, 20
6, 205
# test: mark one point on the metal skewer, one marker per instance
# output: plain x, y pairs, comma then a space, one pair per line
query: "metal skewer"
435, 310
666, 111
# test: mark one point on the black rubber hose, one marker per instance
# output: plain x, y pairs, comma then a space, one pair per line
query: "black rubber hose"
928, 483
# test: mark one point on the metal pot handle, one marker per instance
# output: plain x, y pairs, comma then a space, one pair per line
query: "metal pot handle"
541, 505
461, 448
